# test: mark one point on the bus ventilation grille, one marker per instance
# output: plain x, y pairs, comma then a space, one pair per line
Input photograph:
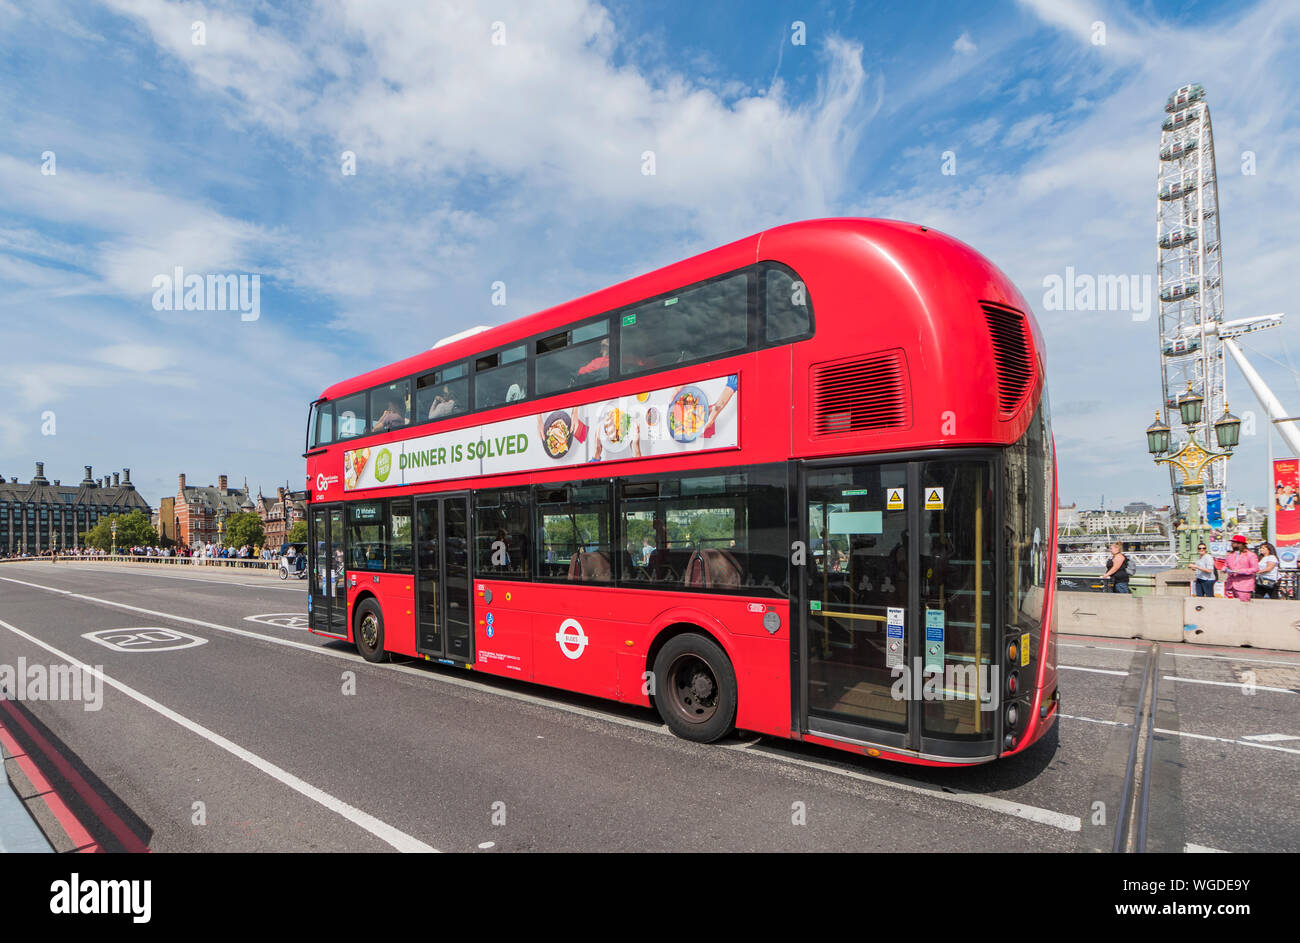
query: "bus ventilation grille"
1012, 356
861, 395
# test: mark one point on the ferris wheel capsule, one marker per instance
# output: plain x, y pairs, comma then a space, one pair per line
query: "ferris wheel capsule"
1181, 119
1177, 237
1185, 96
1178, 149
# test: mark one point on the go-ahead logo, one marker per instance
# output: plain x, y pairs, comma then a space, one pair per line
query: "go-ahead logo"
573, 641
323, 483
383, 465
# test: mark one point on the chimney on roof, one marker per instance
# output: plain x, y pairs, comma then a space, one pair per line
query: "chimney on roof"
105, 481
56, 482
116, 482
126, 479
279, 493
221, 483
40, 478
180, 482
88, 480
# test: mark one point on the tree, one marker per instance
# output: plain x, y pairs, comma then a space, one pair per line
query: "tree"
133, 530
298, 532
244, 527
1263, 528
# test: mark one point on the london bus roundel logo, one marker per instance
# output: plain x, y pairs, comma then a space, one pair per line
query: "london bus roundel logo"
573, 641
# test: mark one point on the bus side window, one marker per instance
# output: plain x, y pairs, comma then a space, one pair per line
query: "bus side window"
502, 526
442, 393
573, 358
787, 310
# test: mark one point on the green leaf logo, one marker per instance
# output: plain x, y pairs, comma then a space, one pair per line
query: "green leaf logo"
383, 465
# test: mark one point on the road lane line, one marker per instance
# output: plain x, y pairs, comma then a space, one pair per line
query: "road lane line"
1191, 848
381, 830
1230, 684
1093, 720
1253, 661
1244, 743
1066, 823
214, 580
1045, 816
1096, 671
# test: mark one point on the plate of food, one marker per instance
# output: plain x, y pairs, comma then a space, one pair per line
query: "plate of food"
354, 463
615, 428
557, 434
687, 413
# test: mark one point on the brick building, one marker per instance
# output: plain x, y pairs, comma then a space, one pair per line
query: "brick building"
275, 522
198, 509
37, 515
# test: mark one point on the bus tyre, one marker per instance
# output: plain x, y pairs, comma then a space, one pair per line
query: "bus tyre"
695, 688
368, 631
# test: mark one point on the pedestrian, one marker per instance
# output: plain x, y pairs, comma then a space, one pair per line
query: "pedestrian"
1269, 571
1120, 570
1239, 570
1205, 572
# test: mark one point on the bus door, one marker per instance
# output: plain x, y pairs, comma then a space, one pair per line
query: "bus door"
899, 604
328, 603
444, 617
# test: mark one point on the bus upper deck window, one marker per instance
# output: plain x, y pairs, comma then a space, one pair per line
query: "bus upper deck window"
442, 393
323, 424
501, 378
390, 406
704, 321
573, 358
787, 312
350, 415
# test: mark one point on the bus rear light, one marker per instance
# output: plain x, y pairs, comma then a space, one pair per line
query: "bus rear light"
1013, 652
1013, 715
1013, 682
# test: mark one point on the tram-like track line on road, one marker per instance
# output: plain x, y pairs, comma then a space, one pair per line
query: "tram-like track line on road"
995, 804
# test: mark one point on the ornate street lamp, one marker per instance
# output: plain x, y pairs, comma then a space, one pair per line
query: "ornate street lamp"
1189, 405
1228, 430
1157, 437
112, 526
1191, 459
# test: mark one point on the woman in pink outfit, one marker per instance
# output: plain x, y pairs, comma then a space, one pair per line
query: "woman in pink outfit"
1239, 570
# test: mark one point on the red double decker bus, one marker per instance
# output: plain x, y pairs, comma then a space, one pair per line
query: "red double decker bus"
801, 485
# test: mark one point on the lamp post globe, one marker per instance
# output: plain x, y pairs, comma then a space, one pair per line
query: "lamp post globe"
1190, 405
1227, 430
1157, 437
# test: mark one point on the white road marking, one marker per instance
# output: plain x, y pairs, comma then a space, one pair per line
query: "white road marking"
1270, 737
1067, 823
281, 620
1239, 685
1244, 743
485, 845
213, 580
1093, 720
1253, 661
1045, 816
1189, 848
382, 830
1096, 671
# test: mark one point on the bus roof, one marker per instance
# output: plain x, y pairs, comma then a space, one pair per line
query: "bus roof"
882, 233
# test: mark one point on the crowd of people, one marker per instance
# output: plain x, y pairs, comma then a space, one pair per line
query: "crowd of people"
196, 554
1246, 573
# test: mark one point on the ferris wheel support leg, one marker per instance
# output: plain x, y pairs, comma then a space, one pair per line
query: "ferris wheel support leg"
1272, 405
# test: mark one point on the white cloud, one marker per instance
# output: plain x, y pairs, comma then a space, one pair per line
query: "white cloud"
963, 44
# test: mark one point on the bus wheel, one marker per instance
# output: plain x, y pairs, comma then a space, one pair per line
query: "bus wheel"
368, 631
695, 688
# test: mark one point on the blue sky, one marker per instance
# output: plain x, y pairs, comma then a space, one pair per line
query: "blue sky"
521, 163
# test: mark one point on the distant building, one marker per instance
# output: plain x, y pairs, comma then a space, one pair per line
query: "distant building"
197, 509
38, 515
275, 524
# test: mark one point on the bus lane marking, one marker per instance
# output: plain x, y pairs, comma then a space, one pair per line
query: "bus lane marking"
381, 830
144, 639
281, 620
